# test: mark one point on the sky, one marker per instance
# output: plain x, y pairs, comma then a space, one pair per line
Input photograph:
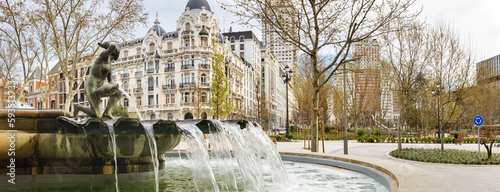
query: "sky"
477, 21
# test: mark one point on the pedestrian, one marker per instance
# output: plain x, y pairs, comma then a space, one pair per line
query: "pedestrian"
456, 137
460, 137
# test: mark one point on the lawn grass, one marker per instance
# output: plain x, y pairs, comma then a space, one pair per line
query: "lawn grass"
449, 156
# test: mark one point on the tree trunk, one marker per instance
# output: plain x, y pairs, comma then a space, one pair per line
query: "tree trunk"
67, 102
314, 115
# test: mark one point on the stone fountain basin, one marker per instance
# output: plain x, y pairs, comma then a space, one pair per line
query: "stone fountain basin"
50, 134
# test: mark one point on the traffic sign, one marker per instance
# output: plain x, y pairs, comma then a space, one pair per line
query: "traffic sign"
478, 120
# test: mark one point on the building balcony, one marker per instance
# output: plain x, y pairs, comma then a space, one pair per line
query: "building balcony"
126, 90
151, 71
137, 90
169, 69
195, 48
168, 87
169, 105
183, 67
205, 84
204, 66
187, 33
170, 51
151, 88
152, 106
125, 75
186, 104
187, 85
138, 73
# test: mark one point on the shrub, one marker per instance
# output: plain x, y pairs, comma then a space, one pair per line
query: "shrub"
377, 133
370, 139
360, 132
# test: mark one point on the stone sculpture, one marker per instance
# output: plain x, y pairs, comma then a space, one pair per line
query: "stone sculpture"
95, 86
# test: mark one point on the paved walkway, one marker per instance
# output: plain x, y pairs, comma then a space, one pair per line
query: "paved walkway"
413, 176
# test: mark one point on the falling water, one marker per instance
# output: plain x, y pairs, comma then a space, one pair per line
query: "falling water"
221, 153
113, 142
148, 128
264, 146
198, 154
131, 101
254, 154
249, 163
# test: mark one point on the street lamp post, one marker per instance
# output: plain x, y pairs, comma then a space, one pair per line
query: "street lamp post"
439, 131
345, 115
287, 76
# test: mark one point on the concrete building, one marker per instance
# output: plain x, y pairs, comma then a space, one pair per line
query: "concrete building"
488, 70
274, 88
367, 86
247, 46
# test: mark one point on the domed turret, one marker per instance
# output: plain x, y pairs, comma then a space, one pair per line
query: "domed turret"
203, 32
197, 4
157, 28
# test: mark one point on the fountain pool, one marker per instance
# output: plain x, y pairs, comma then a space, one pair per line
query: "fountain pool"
178, 177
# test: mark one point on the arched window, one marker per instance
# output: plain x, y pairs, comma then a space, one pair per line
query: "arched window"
170, 116
125, 102
242, 39
204, 115
188, 27
204, 79
188, 116
232, 39
151, 47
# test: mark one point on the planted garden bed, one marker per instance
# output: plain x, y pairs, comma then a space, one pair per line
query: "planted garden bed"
449, 156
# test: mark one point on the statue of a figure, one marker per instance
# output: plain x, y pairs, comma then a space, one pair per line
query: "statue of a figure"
95, 88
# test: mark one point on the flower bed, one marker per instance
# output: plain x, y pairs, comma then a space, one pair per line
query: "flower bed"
449, 156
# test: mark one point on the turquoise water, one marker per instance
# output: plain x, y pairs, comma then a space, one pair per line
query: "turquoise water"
302, 177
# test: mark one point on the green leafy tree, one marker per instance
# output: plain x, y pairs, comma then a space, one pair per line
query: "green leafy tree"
219, 93
120, 111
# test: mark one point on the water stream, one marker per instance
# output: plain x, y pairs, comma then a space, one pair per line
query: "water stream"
113, 146
131, 101
249, 151
221, 155
148, 128
197, 152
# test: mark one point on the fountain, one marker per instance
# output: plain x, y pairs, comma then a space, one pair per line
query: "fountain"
47, 146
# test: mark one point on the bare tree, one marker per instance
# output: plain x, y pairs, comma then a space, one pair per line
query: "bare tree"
406, 51
75, 28
8, 63
314, 26
16, 28
452, 65
262, 104
44, 59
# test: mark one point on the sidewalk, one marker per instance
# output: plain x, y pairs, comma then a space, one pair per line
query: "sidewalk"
411, 176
